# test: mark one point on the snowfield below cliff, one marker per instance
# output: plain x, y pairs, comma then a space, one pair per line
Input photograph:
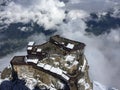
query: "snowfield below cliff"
98, 86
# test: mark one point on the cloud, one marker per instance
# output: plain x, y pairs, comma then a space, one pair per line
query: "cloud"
38, 38
102, 54
90, 5
74, 14
47, 13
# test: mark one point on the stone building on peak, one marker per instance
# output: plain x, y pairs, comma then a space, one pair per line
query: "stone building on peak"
58, 64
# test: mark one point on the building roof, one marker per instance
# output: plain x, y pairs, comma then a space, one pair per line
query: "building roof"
58, 45
35, 61
55, 45
18, 60
67, 44
51, 48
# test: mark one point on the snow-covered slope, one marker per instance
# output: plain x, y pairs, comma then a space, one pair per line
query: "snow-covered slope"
99, 86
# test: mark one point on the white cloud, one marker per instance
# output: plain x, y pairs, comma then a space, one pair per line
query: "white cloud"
90, 5
75, 14
38, 38
114, 36
47, 13
75, 1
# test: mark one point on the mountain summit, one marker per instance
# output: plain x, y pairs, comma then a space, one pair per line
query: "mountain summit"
58, 64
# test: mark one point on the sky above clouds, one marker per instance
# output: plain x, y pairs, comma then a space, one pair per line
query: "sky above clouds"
102, 52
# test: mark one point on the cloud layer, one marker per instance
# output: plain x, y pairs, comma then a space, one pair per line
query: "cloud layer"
47, 13
91, 5
102, 52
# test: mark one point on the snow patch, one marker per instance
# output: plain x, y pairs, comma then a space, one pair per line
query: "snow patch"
31, 43
31, 83
40, 65
29, 48
84, 65
98, 86
69, 45
39, 50
32, 60
70, 58
47, 67
83, 82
